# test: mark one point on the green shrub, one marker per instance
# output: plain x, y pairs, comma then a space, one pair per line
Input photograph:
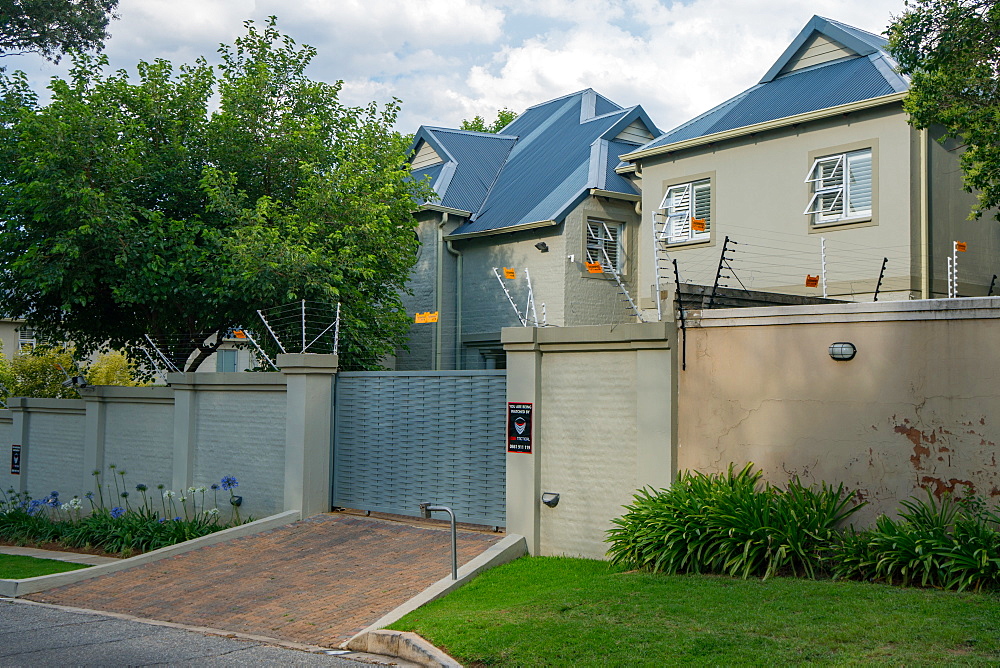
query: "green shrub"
948, 543
729, 523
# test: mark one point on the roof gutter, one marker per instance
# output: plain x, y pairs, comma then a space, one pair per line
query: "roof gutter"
610, 194
445, 209
503, 230
763, 127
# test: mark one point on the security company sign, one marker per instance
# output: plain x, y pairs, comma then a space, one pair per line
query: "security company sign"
15, 460
518, 427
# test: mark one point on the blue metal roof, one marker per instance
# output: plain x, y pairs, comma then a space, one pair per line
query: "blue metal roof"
562, 149
867, 75
479, 157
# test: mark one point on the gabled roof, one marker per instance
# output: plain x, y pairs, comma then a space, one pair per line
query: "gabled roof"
829, 64
543, 164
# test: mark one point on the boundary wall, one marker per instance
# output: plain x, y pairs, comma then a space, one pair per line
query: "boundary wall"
272, 431
916, 408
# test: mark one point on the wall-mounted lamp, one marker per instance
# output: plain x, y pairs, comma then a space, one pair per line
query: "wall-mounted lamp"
843, 351
551, 499
542, 246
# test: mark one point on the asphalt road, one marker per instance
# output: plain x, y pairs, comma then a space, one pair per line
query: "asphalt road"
35, 635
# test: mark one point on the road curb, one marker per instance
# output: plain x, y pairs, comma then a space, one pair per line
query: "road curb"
402, 645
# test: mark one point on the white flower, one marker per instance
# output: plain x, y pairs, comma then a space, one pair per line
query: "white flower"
183, 499
201, 489
65, 507
192, 490
75, 503
169, 494
212, 512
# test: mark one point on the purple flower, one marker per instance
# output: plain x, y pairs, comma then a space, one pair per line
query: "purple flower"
215, 485
177, 519
89, 495
141, 488
117, 512
54, 494
34, 506
162, 520
52, 501
228, 482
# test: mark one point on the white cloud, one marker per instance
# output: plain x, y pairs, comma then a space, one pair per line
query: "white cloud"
452, 59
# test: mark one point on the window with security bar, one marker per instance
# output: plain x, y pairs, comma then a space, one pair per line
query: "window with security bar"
841, 187
604, 244
26, 339
687, 212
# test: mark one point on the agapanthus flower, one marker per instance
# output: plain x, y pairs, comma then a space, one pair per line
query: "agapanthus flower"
212, 512
75, 503
160, 486
89, 495
65, 507
169, 494
215, 485
117, 512
52, 501
183, 498
56, 494
228, 482
124, 494
141, 488
192, 490
177, 519
200, 488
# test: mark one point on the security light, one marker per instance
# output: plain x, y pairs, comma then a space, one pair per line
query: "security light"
843, 351
542, 246
551, 499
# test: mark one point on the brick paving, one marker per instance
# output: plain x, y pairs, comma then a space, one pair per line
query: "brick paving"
318, 581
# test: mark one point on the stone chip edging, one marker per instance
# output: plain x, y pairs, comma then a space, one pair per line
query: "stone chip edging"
15, 588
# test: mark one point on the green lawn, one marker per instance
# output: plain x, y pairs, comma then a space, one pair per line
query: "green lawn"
14, 566
572, 612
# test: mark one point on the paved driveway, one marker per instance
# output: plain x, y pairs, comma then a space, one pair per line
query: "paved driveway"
318, 581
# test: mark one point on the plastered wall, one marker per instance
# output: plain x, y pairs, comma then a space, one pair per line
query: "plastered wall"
759, 196
916, 408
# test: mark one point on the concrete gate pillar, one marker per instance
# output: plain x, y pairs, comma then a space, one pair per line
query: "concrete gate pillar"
308, 430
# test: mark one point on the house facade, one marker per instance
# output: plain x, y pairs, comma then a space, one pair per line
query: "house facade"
811, 182
531, 226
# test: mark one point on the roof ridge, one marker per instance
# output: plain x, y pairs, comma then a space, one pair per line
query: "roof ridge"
476, 133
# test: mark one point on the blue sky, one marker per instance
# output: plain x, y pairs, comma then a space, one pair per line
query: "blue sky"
452, 59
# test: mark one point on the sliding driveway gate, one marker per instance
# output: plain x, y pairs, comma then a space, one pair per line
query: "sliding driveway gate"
404, 438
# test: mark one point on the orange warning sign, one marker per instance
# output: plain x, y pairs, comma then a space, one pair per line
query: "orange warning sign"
509, 273
812, 281
698, 224
426, 317
432, 317
595, 268
960, 246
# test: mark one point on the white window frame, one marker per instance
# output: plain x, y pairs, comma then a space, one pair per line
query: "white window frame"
26, 339
602, 235
833, 180
222, 356
681, 206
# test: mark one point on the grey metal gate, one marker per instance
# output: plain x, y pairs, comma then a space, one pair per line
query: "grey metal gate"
402, 438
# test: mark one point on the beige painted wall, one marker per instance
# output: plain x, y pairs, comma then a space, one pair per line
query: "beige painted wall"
759, 195
604, 427
917, 407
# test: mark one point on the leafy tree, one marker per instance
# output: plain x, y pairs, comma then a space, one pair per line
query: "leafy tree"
129, 209
478, 123
951, 50
113, 368
38, 373
53, 27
